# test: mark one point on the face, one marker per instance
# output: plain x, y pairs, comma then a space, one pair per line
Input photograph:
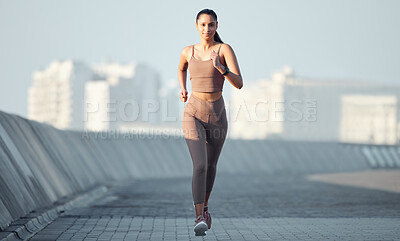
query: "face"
206, 25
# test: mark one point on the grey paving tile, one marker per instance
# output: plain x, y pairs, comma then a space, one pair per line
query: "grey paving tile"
242, 207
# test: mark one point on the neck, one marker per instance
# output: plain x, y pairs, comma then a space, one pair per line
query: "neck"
207, 43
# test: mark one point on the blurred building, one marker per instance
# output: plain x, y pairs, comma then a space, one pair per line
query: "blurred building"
292, 108
369, 119
56, 94
122, 97
170, 114
97, 96
171, 106
72, 95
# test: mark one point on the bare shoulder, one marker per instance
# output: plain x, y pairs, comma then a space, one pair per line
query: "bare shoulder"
187, 52
227, 51
226, 47
186, 49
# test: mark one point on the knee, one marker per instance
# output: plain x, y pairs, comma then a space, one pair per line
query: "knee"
200, 170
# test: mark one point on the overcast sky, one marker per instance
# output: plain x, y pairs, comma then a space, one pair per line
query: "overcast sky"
351, 39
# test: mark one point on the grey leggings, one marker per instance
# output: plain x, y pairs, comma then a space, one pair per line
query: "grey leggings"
205, 128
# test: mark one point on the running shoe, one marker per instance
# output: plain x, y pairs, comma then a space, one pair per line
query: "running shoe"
207, 217
200, 226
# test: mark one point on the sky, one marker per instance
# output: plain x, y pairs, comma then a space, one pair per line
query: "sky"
341, 39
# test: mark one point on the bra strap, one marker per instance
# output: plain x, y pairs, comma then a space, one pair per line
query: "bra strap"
193, 50
219, 48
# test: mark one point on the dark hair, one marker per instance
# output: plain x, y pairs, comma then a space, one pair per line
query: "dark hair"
214, 15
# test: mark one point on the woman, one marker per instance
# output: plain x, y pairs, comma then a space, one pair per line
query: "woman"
204, 120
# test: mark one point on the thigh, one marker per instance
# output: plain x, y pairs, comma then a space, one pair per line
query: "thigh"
195, 136
216, 136
193, 128
217, 128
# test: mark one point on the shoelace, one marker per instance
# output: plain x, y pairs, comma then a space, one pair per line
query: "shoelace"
205, 211
199, 218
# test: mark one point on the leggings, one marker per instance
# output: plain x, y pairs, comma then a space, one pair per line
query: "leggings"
205, 127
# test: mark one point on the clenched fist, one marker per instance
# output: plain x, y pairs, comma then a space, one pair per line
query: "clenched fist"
183, 96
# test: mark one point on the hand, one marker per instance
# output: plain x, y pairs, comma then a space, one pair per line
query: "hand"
215, 57
183, 95
217, 64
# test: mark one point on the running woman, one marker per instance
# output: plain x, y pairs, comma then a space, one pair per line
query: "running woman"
204, 121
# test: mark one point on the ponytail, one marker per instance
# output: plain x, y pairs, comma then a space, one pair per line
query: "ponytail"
217, 38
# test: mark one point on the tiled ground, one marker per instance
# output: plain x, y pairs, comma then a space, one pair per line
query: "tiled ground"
162, 228
243, 207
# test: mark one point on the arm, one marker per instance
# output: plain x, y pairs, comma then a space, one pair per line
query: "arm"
234, 76
182, 73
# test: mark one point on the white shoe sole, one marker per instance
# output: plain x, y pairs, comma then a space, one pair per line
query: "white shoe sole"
200, 229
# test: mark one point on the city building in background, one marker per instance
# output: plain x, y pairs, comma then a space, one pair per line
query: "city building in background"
122, 97
292, 108
131, 97
56, 94
72, 95
97, 96
369, 119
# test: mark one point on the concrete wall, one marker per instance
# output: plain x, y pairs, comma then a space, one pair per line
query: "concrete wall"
40, 164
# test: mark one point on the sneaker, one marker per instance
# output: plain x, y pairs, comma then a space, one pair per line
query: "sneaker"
200, 226
207, 217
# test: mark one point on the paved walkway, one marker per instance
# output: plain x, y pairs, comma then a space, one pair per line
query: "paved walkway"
388, 180
243, 207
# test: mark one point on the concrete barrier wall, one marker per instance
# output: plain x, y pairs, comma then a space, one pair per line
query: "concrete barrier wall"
41, 164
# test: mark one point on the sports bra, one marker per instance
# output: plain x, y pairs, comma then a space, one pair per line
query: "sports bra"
204, 77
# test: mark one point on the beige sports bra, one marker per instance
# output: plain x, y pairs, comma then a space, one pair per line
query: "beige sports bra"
204, 76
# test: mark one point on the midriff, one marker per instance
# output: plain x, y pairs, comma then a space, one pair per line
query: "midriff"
208, 96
